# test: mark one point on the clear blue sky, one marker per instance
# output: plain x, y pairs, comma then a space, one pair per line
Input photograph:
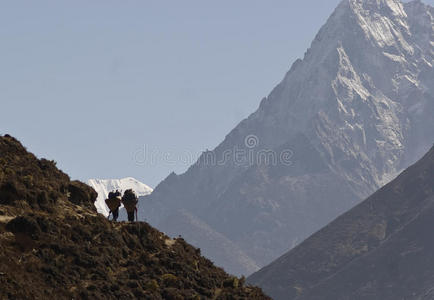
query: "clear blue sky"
90, 83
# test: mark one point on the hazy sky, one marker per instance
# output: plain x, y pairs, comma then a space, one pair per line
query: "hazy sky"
91, 83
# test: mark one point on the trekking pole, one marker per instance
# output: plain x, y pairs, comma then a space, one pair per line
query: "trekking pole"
108, 217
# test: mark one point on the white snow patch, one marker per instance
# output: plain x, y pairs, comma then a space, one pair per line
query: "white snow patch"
396, 58
384, 31
104, 186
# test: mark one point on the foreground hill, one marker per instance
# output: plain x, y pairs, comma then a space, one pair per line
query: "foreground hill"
381, 249
53, 244
345, 120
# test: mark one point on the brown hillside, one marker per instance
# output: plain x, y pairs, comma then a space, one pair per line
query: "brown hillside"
53, 244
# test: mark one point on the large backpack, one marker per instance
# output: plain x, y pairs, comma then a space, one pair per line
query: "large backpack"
113, 202
129, 200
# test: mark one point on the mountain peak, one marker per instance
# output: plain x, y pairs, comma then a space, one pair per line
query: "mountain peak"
353, 113
383, 22
394, 6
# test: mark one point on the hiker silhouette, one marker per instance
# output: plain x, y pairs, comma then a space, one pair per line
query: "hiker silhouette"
130, 201
113, 203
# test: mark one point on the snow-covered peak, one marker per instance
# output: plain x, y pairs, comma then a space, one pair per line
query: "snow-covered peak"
394, 6
355, 111
104, 186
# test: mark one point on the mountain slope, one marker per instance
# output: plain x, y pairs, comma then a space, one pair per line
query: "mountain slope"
104, 186
381, 249
212, 243
54, 244
345, 120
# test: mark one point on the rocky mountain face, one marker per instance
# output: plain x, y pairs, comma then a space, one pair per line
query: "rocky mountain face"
104, 186
54, 244
344, 121
381, 249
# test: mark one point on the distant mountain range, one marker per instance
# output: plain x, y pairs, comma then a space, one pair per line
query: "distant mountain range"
104, 186
344, 121
381, 249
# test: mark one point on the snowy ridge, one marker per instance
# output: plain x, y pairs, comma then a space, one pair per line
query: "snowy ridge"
104, 186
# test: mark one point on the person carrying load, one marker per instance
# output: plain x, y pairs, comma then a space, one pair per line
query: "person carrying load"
130, 201
113, 203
